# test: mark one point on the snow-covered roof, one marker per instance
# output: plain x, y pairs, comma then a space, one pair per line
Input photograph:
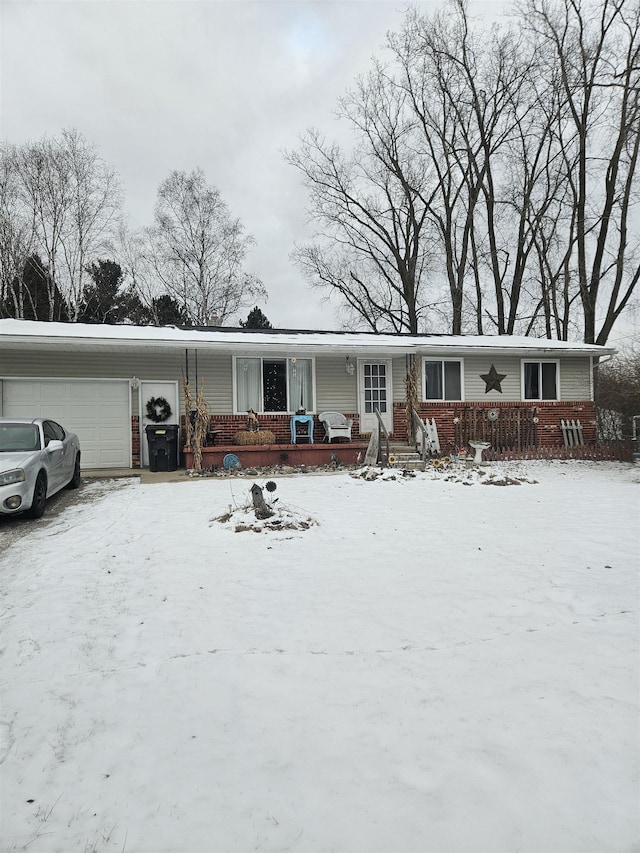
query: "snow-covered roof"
17, 333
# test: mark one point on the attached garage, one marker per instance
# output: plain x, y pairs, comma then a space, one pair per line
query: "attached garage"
97, 410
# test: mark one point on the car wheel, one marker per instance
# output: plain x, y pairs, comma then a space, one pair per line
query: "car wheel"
39, 497
74, 482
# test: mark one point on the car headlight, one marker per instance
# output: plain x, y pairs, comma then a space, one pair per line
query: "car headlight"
15, 476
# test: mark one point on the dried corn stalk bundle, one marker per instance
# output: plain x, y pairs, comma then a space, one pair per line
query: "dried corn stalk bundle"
200, 427
411, 399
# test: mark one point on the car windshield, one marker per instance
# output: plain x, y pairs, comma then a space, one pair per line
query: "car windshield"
19, 437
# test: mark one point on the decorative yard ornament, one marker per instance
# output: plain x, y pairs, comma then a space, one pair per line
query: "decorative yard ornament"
231, 462
252, 421
158, 410
493, 414
492, 380
262, 510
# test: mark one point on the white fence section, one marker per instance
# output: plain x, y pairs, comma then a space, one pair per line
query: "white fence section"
571, 433
432, 440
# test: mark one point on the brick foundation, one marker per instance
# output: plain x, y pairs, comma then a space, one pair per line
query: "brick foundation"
547, 427
309, 455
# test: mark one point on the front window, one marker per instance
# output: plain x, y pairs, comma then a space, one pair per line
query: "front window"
540, 380
15, 437
442, 379
274, 384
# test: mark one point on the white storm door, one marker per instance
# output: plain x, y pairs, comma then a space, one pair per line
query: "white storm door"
149, 391
375, 392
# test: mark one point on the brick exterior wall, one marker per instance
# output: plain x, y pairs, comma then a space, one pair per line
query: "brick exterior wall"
547, 429
280, 425
549, 415
136, 457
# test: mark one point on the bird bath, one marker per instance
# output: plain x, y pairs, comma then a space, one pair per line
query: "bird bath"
479, 446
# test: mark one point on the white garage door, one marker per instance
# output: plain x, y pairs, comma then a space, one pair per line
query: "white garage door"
97, 410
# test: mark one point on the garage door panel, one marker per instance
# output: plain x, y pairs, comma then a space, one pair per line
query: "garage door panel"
53, 393
82, 411
111, 459
97, 410
20, 394
108, 414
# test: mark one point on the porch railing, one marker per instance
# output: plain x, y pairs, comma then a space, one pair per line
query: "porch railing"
420, 434
382, 431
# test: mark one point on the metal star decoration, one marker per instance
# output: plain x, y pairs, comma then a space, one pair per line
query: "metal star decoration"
492, 380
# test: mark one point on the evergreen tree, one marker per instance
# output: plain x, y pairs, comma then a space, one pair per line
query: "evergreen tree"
166, 312
101, 301
34, 295
256, 320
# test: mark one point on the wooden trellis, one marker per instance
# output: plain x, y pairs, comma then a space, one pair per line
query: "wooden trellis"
505, 428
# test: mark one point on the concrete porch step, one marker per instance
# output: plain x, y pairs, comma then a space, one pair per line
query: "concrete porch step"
405, 458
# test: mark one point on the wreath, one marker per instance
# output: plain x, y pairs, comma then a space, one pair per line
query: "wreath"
158, 410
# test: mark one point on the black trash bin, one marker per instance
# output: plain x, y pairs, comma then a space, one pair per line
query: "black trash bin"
162, 440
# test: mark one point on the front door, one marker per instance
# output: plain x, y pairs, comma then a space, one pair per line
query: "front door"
149, 391
374, 381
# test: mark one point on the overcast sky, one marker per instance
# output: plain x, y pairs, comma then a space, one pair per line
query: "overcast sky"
158, 85
177, 84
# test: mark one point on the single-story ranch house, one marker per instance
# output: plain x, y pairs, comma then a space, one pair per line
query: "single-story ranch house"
97, 381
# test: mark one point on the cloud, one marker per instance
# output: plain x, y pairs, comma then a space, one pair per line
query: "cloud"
225, 86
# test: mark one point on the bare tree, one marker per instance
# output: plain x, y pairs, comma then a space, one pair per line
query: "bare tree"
44, 193
458, 98
93, 213
432, 131
507, 157
17, 237
195, 251
593, 50
59, 200
371, 246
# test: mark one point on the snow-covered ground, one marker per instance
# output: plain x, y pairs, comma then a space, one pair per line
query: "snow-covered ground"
426, 664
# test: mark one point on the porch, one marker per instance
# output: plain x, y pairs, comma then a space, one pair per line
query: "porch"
342, 453
310, 448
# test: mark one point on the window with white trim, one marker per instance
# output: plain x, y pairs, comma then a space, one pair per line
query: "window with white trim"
442, 379
540, 380
274, 384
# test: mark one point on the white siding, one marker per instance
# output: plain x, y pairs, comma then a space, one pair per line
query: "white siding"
575, 379
475, 387
336, 390
399, 370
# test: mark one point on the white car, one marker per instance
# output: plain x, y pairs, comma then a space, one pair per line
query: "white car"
38, 457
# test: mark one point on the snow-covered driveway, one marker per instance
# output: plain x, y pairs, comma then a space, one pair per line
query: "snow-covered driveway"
435, 666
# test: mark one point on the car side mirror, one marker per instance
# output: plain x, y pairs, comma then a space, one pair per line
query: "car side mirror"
54, 445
